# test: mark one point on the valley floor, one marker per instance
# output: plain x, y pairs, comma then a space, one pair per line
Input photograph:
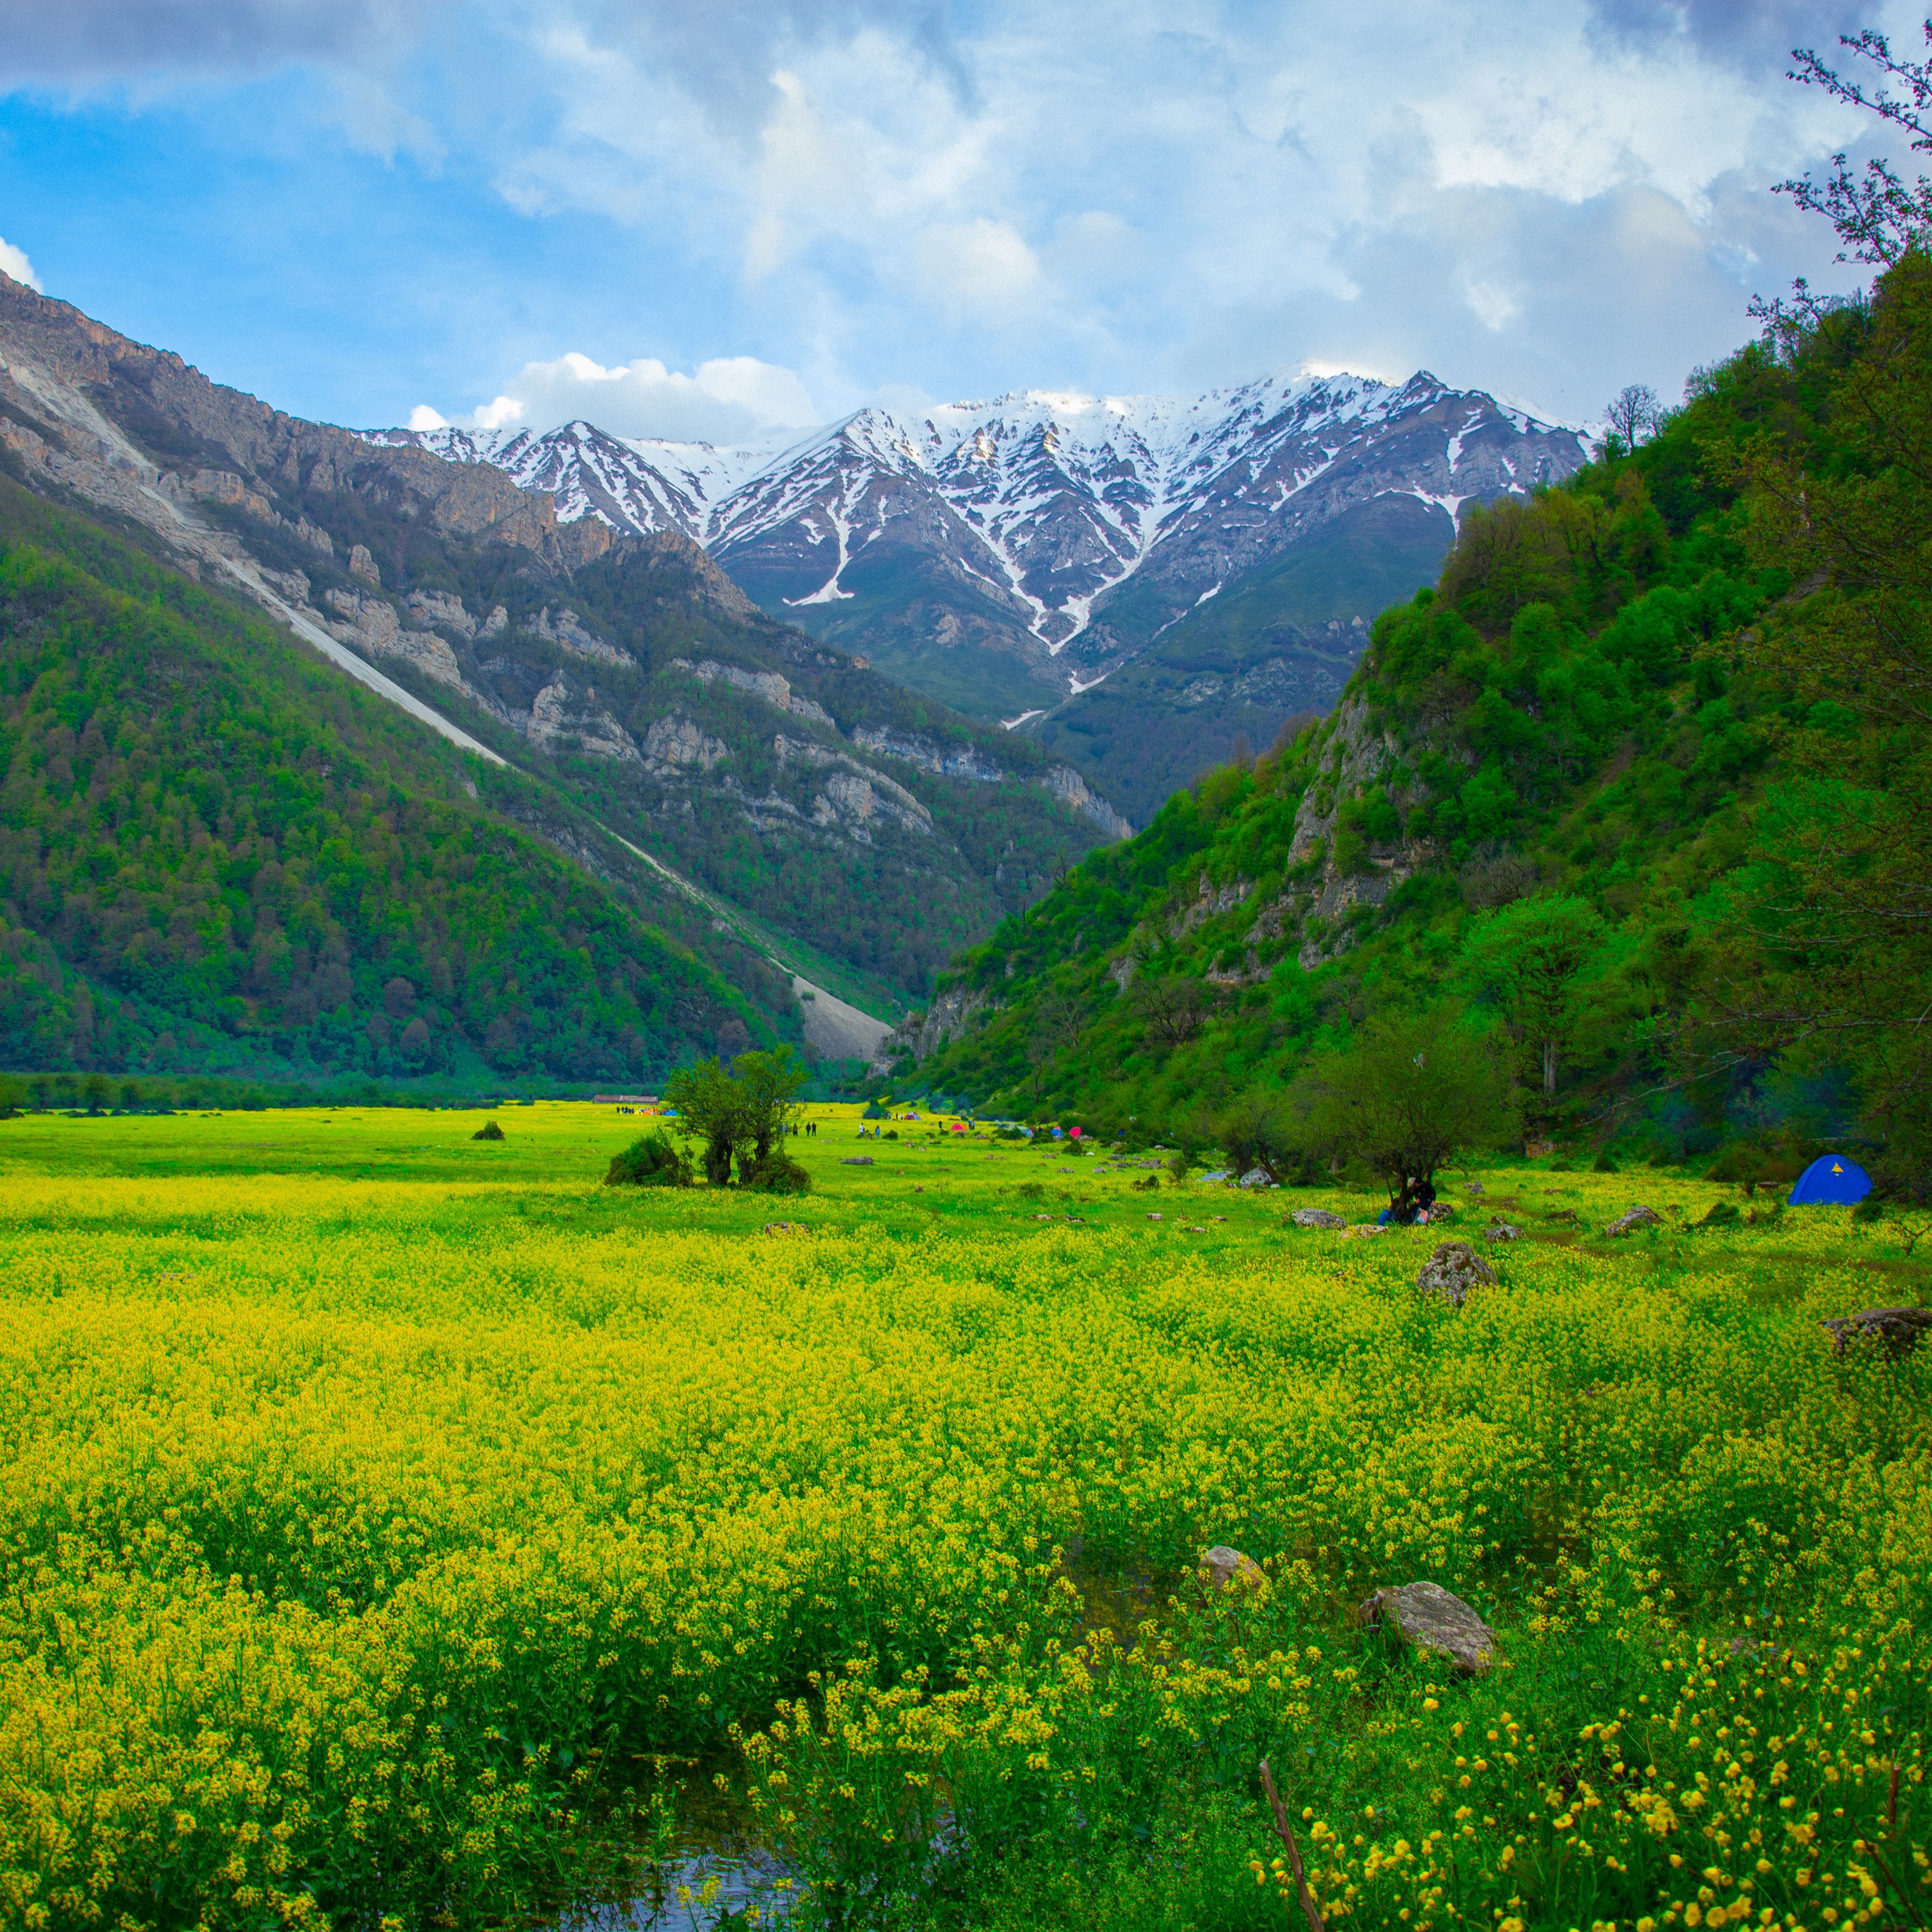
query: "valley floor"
404, 1530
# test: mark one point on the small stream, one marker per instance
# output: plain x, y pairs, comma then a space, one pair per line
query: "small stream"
707, 1870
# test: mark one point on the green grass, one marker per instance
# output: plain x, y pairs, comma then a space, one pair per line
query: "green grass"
316, 1423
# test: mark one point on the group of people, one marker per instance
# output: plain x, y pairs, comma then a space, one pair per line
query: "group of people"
1411, 1207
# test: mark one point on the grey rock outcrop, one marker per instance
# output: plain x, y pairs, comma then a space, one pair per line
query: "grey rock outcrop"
1898, 1330
770, 685
675, 743
558, 720
1222, 1566
370, 625
921, 1033
952, 761
1639, 1216
439, 608
1452, 1271
568, 629
1436, 1623
1316, 1217
1502, 1232
1071, 789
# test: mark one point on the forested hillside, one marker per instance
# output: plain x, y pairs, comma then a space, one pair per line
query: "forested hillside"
1635, 794
217, 851
626, 672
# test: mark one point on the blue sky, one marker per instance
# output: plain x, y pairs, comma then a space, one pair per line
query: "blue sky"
679, 218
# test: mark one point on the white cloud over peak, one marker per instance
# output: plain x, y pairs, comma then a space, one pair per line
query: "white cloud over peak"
1552, 197
726, 399
14, 261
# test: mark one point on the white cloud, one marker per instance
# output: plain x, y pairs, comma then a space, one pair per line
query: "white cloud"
981, 267
1550, 196
1204, 190
728, 398
14, 261
87, 42
1493, 307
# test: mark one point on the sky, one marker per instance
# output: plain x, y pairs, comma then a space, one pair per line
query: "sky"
711, 219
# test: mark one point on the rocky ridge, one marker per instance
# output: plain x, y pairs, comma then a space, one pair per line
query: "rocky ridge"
1020, 551
652, 690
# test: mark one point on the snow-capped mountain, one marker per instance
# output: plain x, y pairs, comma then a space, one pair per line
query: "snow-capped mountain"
1051, 500
1008, 555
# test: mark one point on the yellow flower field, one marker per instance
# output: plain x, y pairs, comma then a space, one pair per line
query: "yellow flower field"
379, 1505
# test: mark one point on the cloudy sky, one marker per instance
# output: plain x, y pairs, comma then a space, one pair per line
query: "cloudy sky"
711, 217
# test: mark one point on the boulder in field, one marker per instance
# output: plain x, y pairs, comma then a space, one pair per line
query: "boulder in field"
1502, 1232
1221, 1567
1436, 1622
1898, 1329
1639, 1216
1316, 1217
1451, 1272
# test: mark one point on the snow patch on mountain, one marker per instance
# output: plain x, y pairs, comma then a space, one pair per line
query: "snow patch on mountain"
1052, 501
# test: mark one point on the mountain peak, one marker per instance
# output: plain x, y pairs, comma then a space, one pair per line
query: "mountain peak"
1069, 532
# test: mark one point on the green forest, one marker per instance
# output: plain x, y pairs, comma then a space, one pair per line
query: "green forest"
217, 852
897, 904
1635, 796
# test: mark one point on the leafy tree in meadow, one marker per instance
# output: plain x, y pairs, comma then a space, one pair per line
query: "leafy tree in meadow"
768, 1084
739, 1113
1528, 961
1410, 1093
1258, 1129
706, 1097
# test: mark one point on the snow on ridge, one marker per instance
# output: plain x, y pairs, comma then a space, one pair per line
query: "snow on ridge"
1067, 493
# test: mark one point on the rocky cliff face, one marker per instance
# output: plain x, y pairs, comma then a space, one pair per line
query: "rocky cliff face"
1050, 506
924, 1033
625, 668
1137, 580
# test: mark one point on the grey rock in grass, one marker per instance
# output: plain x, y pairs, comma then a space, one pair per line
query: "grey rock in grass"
1502, 1232
1436, 1622
1222, 1566
1473, 1188
1899, 1329
1451, 1272
1316, 1217
856, 1160
1639, 1216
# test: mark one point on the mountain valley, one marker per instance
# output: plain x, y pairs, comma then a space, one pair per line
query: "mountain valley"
1133, 581
640, 714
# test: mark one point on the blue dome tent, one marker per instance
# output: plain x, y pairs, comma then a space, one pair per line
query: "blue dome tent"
1831, 1180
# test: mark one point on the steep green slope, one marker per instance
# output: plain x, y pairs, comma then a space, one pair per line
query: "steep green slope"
832, 802
1564, 791
628, 674
1280, 643
216, 850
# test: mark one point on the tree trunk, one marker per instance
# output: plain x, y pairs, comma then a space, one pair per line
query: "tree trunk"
1549, 1067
